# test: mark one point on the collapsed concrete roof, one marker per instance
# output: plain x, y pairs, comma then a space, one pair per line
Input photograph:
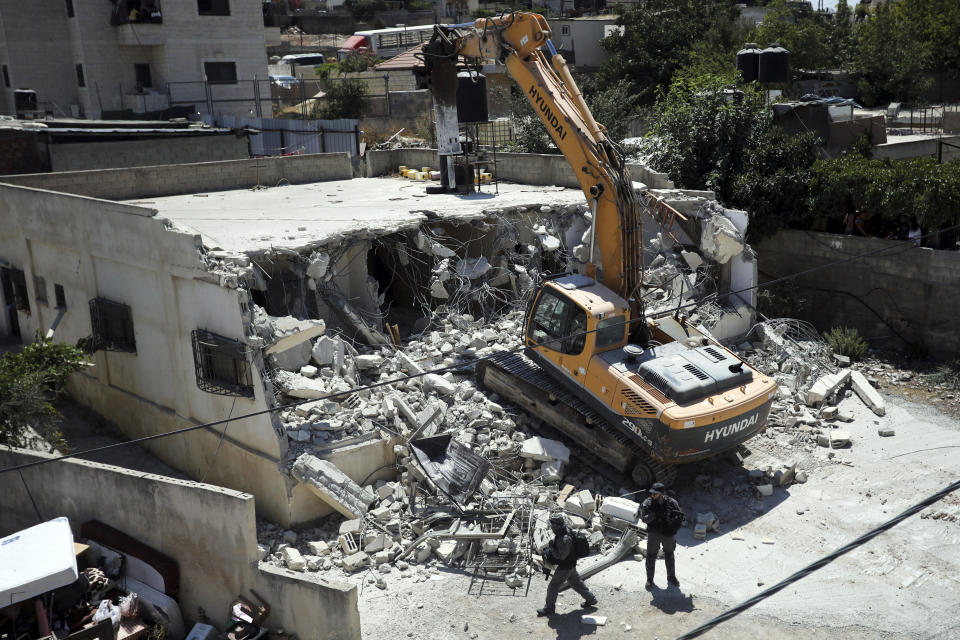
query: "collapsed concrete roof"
301, 217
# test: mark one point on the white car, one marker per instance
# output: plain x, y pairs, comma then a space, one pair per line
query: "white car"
284, 82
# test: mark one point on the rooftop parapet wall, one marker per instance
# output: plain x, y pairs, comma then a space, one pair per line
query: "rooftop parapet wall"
524, 168
210, 531
906, 291
166, 180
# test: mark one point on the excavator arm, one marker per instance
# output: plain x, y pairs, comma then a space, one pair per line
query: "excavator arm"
518, 40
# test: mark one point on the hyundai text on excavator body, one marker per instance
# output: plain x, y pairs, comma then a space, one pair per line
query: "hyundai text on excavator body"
640, 394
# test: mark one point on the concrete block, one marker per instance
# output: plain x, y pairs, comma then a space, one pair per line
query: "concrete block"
834, 439
490, 545
826, 386
439, 384
293, 559
869, 395
765, 490
355, 561
376, 542
348, 527
544, 449
620, 508
587, 502
709, 520
422, 552
700, 531
449, 550
313, 562
318, 547
381, 557
885, 432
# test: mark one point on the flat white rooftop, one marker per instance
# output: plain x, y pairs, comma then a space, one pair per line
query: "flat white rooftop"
299, 216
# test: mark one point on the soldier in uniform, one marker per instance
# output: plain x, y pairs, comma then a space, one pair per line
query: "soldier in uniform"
663, 518
560, 553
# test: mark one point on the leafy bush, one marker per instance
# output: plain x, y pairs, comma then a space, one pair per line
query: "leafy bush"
889, 189
28, 381
344, 99
846, 341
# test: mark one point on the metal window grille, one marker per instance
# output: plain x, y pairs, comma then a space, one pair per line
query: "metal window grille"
221, 365
20, 297
112, 325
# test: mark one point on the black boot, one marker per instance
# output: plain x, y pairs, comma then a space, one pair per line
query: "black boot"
671, 563
651, 568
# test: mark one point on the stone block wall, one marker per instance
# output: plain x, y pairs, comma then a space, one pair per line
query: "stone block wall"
897, 295
166, 180
209, 531
138, 153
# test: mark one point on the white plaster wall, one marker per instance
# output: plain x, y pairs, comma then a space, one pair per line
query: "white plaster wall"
121, 252
43, 46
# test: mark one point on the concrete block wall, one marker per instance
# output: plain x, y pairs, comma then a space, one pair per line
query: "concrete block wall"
208, 530
142, 153
525, 168
910, 291
165, 180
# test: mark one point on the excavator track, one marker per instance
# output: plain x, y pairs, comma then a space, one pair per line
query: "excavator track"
529, 377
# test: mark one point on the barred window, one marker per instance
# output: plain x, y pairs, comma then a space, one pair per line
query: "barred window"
20, 298
112, 325
221, 364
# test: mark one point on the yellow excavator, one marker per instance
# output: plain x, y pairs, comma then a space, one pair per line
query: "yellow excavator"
640, 394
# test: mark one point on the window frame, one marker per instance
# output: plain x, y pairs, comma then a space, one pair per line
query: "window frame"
603, 327
216, 8
81, 76
6, 76
112, 325
137, 67
71, 12
60, 296
206, 75
211, 352
573, 315
21, 298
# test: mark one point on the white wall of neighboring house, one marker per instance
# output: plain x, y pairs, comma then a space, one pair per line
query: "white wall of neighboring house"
582, 36
41, 46
102, 249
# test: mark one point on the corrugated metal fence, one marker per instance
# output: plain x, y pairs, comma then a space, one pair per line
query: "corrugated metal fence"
288, 137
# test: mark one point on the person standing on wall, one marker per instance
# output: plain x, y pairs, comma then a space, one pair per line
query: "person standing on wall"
562, 553
663, 518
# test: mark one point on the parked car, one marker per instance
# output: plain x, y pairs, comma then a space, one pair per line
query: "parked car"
284, 82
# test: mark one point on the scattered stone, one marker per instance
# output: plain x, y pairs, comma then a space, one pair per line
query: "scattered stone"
293, 559
544, 449
765, 490
318, 548
594, 620
834, 439
885, 432
355, 561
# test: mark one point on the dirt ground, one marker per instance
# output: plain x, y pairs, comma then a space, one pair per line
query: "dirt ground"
903, 584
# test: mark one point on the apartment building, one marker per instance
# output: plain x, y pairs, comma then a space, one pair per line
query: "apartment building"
101, 58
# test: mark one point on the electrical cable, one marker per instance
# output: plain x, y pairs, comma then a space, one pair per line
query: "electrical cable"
451, 368
30, 494
822, 562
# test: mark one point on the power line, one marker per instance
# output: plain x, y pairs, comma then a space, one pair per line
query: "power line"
822, 562
454, 367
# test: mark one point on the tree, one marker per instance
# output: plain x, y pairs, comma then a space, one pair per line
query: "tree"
890, 55
708, 135
802, 33
28, 382
343, 99
657, 39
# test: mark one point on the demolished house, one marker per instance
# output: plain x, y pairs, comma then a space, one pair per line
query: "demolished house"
207, 306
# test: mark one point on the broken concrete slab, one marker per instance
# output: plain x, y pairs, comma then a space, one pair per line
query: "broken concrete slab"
720, 240
544, 449
438, 383
332, 485
862, 387
622, 508
355, 561
825, 387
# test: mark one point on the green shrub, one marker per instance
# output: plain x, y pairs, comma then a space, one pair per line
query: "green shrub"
846, 341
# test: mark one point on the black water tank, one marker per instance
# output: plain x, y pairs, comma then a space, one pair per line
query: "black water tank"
774, 64
471, 97
748, 60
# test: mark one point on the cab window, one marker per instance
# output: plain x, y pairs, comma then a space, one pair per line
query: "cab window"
558, 324
610, 331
